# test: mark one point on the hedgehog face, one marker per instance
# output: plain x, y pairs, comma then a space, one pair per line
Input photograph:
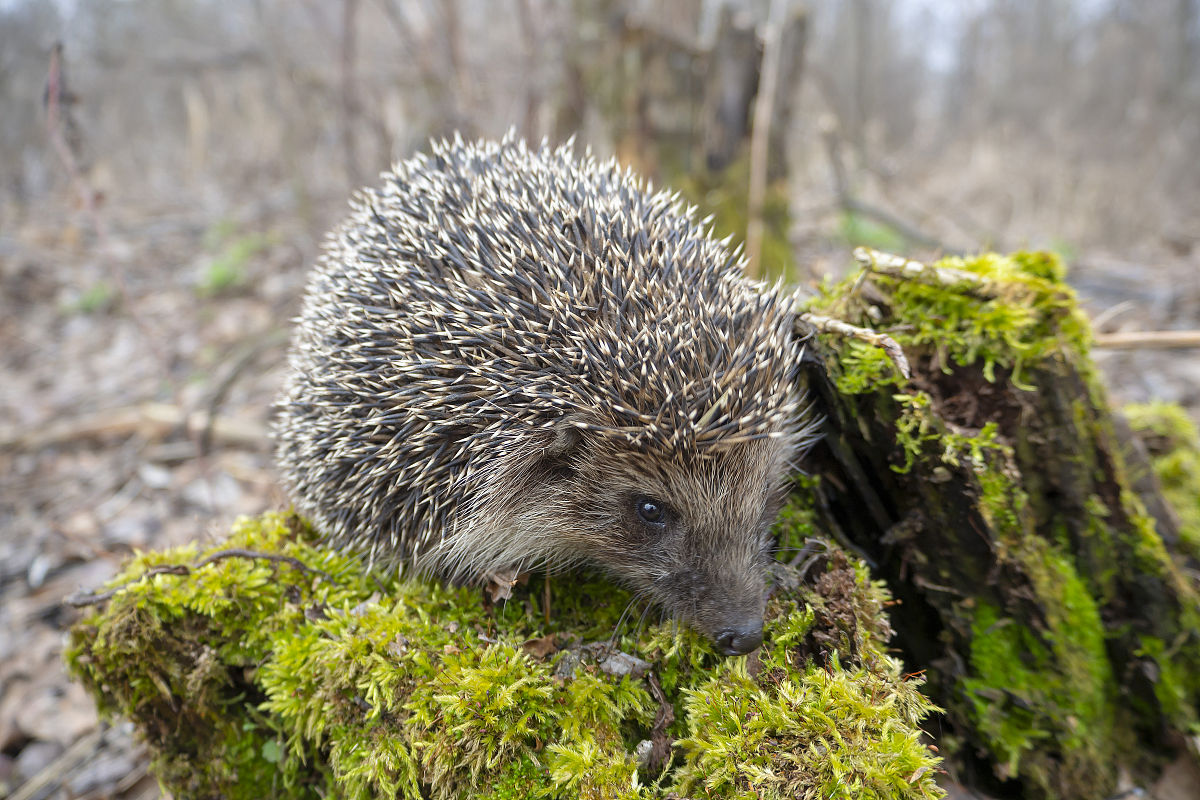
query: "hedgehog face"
692, 536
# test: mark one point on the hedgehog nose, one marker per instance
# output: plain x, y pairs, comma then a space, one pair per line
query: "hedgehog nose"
740, 640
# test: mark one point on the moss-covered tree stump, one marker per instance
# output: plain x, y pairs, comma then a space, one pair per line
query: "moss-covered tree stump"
1058, 631
990, 493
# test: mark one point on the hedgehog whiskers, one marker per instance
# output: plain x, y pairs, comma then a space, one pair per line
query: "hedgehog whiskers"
616, 634
637, 630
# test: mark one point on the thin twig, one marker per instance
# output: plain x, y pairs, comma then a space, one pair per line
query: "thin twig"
83, 599
664, 717
839, 328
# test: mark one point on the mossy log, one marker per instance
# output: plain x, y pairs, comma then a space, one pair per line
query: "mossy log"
1058, 632
270, 666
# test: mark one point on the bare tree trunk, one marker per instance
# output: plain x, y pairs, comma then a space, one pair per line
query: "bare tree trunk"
350, 107
732, 82
533, 93
760, 135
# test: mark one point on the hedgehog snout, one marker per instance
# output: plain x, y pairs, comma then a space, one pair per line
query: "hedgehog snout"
741, 639
725, 607
736, 629
733, 631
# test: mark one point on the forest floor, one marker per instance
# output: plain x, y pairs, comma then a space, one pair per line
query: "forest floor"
139, 365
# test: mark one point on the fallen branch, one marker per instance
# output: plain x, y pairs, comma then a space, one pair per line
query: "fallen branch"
1148, 340
899, 267
153, 420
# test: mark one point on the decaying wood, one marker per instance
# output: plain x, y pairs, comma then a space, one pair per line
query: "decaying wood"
888, 264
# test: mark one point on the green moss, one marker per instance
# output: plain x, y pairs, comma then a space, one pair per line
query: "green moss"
1173, 442
1020, 315
823, 734
862, 368
519, 780
1030, 315
810, 728
1175, 686
252, 677
1032, 692
594, 773
1002, 499
478, 712
796, 522
1024, 314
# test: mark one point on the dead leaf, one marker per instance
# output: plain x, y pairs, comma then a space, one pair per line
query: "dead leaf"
540, 648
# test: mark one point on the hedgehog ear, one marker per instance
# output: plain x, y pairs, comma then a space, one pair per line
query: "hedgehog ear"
566, 436
563, 441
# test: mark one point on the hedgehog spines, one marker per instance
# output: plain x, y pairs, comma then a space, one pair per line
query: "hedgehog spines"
490, 292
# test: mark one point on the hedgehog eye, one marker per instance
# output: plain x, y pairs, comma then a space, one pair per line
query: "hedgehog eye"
651, 511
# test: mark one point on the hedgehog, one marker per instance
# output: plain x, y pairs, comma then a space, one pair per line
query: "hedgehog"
512, 357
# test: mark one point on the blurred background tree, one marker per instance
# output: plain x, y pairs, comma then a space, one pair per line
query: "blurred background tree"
1065, 123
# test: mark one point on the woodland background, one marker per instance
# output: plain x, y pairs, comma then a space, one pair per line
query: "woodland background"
167, 171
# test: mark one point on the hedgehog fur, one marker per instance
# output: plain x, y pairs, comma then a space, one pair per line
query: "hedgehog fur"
512, 357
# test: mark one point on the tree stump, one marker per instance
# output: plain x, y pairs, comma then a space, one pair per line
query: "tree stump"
990, 493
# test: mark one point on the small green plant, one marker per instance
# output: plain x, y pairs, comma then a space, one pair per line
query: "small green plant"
228, 270
858, 231
96, 298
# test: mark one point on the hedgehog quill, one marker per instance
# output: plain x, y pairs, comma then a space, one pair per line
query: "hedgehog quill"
512, 357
